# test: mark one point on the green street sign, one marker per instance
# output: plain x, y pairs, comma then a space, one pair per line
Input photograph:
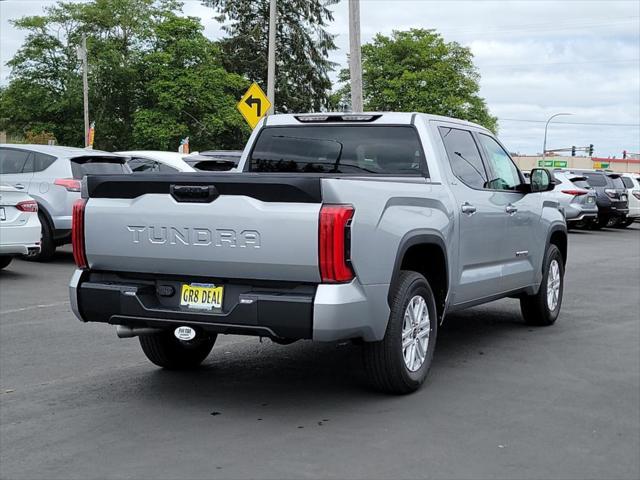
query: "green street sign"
552, 163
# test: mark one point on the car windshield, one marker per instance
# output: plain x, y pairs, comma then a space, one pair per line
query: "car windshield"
338, 149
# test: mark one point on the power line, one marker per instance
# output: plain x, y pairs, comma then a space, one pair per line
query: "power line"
637, 125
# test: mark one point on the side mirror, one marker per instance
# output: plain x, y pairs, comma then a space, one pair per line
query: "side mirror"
541, 180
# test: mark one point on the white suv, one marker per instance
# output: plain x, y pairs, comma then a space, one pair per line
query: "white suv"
632, 183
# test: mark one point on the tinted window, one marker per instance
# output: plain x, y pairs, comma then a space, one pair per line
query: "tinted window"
581, 183
617, 182
42, 161
166, 168
338, 149
96, 166
464, 156
627, 182
596, 179
142, 165
12, 161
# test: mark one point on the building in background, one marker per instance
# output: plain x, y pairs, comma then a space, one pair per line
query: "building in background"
631, 164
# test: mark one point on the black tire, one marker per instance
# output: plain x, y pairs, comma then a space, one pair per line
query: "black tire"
624, 223
384, 361
613, 222
628, 222
535, 308
600, 223
166, 351
5, 260
47, 244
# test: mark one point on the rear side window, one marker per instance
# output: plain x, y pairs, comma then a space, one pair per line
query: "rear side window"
13, 161
388, 150
596, 179
97, 166
42, 161
464, 156
143, 165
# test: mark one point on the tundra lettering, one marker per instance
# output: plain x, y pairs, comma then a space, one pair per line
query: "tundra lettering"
161, 235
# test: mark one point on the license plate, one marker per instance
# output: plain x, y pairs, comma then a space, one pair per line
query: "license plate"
201, 296
3, 215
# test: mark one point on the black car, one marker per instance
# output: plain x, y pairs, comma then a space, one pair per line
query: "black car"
611, 197
215, 160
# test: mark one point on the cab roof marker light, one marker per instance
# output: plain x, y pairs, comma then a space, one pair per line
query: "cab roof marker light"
312, 118
358, 118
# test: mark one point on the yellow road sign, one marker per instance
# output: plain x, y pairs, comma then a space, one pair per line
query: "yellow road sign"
254, 105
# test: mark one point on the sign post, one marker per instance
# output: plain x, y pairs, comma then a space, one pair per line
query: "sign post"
254, 105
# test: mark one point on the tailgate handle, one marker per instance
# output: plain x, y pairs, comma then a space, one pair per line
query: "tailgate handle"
194, 193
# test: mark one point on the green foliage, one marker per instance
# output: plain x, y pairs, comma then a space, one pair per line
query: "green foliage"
153, 78
302, 46
417, 70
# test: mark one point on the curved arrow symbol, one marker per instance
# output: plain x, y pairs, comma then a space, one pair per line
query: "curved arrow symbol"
254, 101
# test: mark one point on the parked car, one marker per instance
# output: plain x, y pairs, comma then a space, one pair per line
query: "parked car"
51, 175
19, 225
215, 160
632, 183
611, 196
156, 161
369, 227
576, 198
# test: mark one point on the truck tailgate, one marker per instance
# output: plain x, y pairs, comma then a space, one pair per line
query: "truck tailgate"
251, 227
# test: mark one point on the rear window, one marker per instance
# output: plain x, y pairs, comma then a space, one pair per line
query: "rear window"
627, 182
578, 182
98, 166
617, 182
596, 179
388, 150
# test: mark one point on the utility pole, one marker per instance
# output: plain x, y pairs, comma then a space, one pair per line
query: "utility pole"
355, 60
82, 56
271, 62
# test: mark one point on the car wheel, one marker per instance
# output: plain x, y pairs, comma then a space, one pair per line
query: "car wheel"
5, 260
623, 223
600, 223
399, 363
629, 222
47, 245
543, 308
165, 350
613, 222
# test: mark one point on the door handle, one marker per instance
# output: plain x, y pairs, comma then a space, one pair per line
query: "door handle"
19, 186
510, 209
468, 209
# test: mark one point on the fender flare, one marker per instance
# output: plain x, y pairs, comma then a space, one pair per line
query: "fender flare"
558, 227
410, 239
47, 217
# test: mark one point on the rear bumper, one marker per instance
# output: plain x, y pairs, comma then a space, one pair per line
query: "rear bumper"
318, 312
577, 213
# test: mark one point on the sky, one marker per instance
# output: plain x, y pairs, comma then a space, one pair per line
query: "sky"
536, 58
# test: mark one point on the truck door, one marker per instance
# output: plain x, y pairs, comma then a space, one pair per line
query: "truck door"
482, 220
522, 211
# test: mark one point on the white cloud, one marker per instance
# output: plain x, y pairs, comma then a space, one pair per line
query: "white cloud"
535, 58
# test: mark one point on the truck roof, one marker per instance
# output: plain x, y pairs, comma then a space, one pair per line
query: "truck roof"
383, 118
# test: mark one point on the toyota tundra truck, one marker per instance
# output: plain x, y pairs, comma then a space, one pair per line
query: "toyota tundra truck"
368, 227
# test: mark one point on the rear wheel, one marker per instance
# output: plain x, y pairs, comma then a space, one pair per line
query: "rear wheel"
400, 362
5, 260
47, 244
165, 350
543, 308
624, 222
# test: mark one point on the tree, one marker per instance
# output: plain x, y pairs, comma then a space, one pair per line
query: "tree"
153, 78
417, 70
186, 92
302, 46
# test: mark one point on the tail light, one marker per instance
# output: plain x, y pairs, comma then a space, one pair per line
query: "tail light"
575, 192
71, 184
335, 243
611, 192
77, 233
636, 194
27, 206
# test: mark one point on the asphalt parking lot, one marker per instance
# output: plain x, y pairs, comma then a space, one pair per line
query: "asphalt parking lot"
503, 400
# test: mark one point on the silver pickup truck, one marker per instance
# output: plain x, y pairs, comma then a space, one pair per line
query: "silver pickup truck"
370, 227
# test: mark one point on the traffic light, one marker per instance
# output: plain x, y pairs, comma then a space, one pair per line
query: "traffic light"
591, 150
573, 151
624, 154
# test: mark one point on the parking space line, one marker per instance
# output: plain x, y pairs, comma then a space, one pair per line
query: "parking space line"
33, 307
